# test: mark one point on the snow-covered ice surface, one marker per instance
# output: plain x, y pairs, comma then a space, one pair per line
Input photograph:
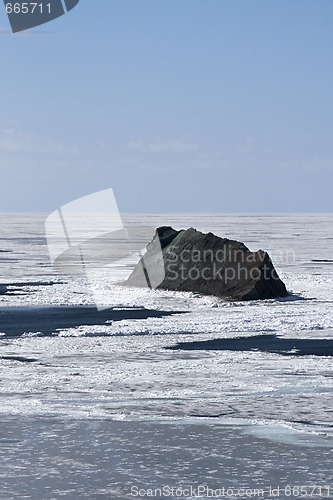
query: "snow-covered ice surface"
93, 410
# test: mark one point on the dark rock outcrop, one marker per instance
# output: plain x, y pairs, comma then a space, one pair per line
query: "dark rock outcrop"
207, 264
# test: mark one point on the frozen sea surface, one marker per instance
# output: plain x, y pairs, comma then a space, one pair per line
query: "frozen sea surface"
99, 406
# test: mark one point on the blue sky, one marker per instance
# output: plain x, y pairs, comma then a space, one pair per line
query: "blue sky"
178, 105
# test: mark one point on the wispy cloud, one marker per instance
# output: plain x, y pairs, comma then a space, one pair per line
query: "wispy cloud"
138, 144
308, 166
172, 146
160, 145
248, 144
12, 140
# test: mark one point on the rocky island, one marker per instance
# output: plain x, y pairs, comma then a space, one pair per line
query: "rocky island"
191, 261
